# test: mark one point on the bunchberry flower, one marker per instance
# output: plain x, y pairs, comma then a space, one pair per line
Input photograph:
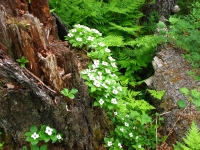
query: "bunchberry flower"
134, 127
136, 137
104, 85
115, 113
107, 71
115, 91
114, 65
127, 116
99, 73
107, 50
35, 136
104, 63
101, 44
122, 129
111, 59
131, 134
101, 101
126, 124
114, 101
109, 143
70, 35
99, 77
107, 81
90, 38
120, 145
79, 39
119, 88
96, 62
139, 146
91, 76
73, 30
48, 130
58, 137
97, 83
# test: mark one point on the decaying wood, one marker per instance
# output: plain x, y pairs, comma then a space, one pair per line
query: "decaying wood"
31, 95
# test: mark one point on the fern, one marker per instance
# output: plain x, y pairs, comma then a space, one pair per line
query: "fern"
191, 141
157, 94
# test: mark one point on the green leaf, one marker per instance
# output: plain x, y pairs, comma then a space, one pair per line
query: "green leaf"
43, 147
181, 103
144, 119
65, 92
185, 91
33, 129
34, 147
71, 96
73, 91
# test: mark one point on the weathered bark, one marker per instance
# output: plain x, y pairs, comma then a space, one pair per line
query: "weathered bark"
32, 96
171, 74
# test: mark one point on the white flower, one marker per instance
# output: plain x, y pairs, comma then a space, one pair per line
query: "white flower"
114, 65
131, 134
99, 73
97, 83
114, 101
88, 29
101, 44
90, 38
104, 85
104, 63
48, 130
70, 35
109, 143
127, 116
111, 59
107, 50
35, 136
120, 145
79, 39
99, 77
73, 30
107, 81
96, 62
136, 137
58, 137
115, 91
93, 45
134, 127
139, 146
119, 88
107, 71
101, 101
122, 129
91, 76
94, 66
126, 124
96, 31
115, 113
106, 95
78, 26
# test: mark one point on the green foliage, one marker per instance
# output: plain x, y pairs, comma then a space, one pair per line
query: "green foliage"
193, 97
44, 134
157, 94
70, 93
184, 31
22, 61
111, 93
191, 141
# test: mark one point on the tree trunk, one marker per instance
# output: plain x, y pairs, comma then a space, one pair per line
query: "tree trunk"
31, 95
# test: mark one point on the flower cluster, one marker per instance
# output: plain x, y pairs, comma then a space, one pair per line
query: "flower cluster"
46, 133
104, 85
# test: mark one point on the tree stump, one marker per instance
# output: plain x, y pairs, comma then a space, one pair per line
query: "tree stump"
31, 95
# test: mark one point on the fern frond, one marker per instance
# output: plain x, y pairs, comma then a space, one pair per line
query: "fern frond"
191, 141
113, 40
